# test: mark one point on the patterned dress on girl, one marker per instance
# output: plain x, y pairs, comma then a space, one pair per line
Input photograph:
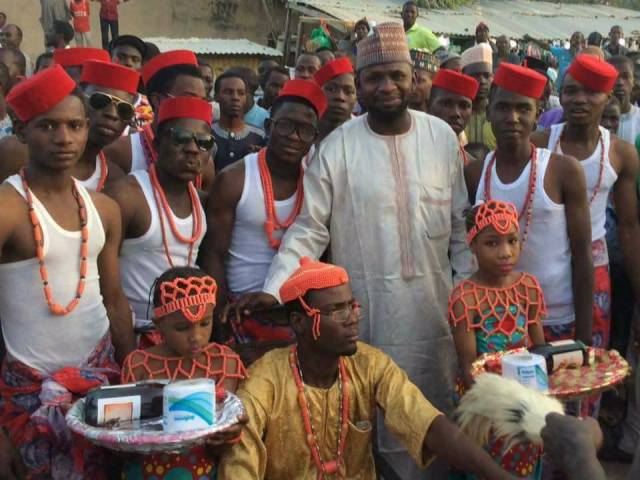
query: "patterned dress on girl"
500, 318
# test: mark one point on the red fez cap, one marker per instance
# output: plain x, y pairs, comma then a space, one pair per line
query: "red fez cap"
110, 75
333, 69
75, 57
312, 276
520, 80
165, 60
593, 73
185, 107
307, 90
456, 82
40, 93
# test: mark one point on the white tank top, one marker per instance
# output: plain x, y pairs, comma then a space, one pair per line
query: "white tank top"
143, 259
92, 182
250, 254
591, 167
138, 157
546, 253
33, 335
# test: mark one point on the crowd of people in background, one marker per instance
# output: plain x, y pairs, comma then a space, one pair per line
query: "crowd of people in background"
309, 236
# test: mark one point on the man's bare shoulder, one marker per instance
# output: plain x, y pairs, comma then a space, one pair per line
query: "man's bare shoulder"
541, 139
228, 184
624, 151
125, 190
13, 204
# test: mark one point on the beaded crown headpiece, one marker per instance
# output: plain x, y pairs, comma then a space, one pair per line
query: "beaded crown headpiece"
190, 295
500, 215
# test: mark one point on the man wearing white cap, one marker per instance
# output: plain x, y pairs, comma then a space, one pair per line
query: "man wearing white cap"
477, 62
393, 232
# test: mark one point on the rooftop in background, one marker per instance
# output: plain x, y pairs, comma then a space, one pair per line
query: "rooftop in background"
514, 18
214, 46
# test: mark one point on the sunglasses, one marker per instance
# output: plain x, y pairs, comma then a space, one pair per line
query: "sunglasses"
100, 101
181, 137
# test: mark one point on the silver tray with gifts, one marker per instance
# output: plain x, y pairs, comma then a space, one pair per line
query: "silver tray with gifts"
147, 436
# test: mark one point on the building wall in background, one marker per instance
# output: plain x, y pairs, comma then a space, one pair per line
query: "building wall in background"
170, 18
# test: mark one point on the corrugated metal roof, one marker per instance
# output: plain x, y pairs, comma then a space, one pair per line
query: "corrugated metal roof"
513, 18
215, 46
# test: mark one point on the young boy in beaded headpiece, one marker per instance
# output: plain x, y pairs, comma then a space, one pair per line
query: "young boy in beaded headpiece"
183, 303
496, 309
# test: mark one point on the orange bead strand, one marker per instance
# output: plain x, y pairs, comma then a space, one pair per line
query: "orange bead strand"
272, 222
527, 207
104, 172
331, 467
55, 308
164, 210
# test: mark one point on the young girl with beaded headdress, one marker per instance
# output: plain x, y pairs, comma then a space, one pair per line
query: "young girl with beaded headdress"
183, 301
496, 309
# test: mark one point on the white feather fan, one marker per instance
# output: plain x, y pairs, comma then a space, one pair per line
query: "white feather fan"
510, 409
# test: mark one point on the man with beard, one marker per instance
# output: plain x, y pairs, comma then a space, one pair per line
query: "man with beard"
629, 127
425, 67
292, 389
451, 100
337, 81
412, 211
549, 191
477, 62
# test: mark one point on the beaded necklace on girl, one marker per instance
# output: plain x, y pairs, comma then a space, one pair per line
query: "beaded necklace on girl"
497, 309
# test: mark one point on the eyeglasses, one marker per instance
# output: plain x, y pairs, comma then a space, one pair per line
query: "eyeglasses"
181, 137
305, 132
101, 100
341, 315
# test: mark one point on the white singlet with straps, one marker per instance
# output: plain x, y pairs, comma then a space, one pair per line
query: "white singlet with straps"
92, 182
138, 157
591, 167
546, 253
250, 254
143, 259
33, 335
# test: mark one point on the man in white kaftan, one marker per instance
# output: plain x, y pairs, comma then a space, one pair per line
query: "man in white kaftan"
392, 209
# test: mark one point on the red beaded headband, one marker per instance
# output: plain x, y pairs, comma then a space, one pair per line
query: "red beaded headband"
499, 215
185, 293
